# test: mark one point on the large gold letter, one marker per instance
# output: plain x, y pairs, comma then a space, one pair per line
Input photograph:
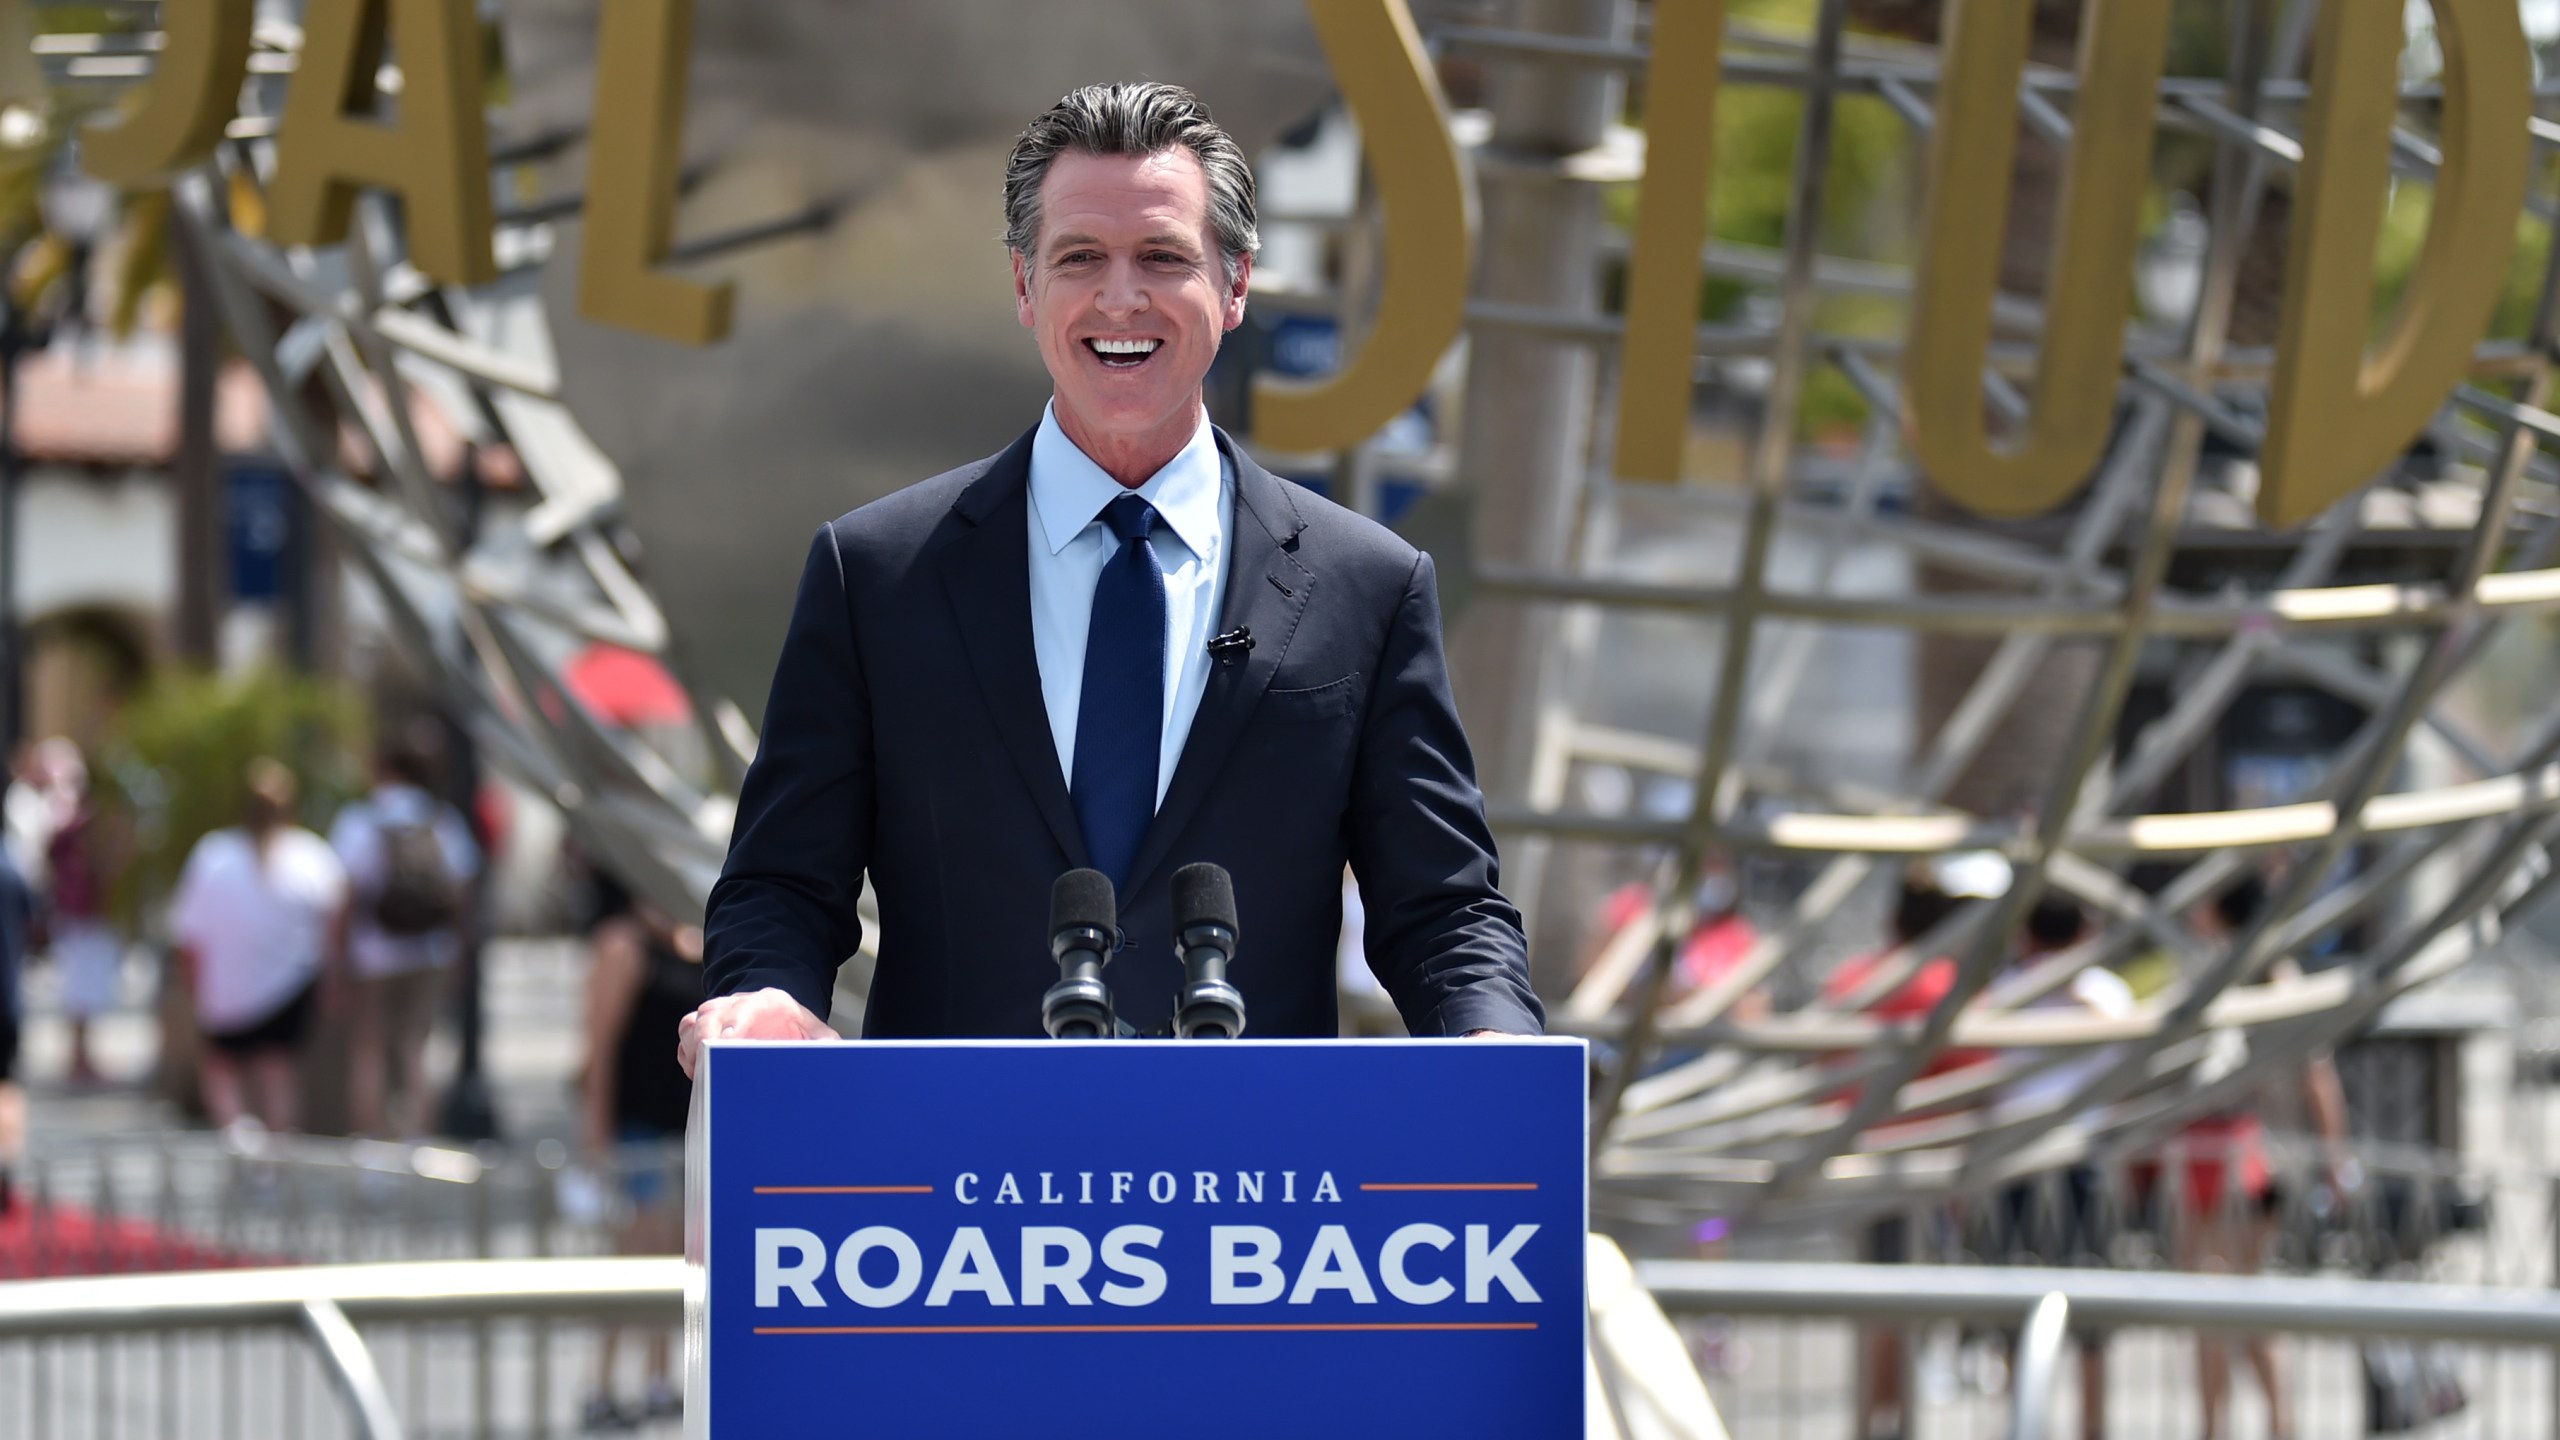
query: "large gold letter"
2336, 415
1383, 73
437, 157
2122, 44
1657, 359
22, 83
634, 141
192, 94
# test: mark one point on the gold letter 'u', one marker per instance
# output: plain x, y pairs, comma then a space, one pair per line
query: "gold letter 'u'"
1379, 64
2336, 414
192, 94
1656, 359
2122, 44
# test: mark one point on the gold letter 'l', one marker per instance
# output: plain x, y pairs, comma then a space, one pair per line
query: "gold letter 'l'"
192, 94
437, 157
2336, 415
1657, 359
1379, 64
635, 139
2121, 49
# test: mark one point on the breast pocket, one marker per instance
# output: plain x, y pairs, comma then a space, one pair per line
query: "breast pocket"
1337, 701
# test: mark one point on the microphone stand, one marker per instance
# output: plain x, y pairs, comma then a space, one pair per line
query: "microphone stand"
1083, 931
1204, 935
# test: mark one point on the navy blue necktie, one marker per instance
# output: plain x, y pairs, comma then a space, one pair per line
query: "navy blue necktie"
1120, 716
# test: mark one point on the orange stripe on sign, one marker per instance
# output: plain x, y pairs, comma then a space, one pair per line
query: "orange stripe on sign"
844, 1189
1138, 1329
1461, 1185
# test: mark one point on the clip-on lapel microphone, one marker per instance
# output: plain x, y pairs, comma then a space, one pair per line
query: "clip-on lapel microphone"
1232, 646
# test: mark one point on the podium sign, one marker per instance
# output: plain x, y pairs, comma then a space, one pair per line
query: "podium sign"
1256, 1238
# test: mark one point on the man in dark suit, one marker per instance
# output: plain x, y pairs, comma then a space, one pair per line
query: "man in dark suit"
1120, 644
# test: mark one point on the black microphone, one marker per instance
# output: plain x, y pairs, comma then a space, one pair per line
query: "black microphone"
1204, 935
1084, 928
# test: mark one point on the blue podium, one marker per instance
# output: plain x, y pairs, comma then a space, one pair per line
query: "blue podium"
1252, 1238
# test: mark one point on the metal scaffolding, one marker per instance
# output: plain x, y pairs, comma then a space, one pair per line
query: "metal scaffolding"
1700, 1110
1698, 1107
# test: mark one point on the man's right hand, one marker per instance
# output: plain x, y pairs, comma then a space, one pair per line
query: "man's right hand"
755, 1015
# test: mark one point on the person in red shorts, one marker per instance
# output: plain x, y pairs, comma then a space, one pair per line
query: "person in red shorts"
2226, 1192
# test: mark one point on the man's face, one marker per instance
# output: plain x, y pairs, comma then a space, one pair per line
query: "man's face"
1126, 292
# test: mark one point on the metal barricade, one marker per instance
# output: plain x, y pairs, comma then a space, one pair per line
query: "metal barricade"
164, 1203
2403, 1214
2360, 1356
187, 1200
316, 1351
300, 1351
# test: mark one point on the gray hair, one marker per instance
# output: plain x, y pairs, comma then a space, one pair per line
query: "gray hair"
1133, 119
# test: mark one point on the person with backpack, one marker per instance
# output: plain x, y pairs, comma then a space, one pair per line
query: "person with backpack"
410, 863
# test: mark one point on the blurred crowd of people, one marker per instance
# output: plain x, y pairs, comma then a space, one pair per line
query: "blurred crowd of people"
286, 947
272, 930
272, 926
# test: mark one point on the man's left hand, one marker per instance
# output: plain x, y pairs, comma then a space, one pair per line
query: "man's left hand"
768, 1014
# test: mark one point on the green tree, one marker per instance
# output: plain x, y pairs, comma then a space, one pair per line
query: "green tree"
172, 768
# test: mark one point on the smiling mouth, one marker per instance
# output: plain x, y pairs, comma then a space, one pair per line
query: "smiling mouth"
1123, 354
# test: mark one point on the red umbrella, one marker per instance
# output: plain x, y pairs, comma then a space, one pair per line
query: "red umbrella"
625, 687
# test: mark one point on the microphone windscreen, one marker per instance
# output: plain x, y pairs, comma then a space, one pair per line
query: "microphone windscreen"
1203, 892
1082, 898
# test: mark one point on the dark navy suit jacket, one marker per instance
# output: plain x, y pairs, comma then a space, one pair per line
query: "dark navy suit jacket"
906, 737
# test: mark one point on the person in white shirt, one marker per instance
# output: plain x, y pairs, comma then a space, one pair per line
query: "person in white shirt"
410, 861
257, 915
2056, 924
2061, 1219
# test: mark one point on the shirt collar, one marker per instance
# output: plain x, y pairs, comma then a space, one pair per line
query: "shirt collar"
1069, 490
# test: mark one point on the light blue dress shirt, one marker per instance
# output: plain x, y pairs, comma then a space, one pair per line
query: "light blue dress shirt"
1195, 498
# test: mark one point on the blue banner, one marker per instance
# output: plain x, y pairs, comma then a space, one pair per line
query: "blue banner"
1281, 1238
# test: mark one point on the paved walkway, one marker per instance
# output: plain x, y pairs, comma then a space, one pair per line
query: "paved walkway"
534, 1002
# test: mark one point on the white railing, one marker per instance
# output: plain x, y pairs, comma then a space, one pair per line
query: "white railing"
322, 1308
316, 1311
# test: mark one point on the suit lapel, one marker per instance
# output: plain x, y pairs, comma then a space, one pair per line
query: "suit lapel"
987, 574
1266, 593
